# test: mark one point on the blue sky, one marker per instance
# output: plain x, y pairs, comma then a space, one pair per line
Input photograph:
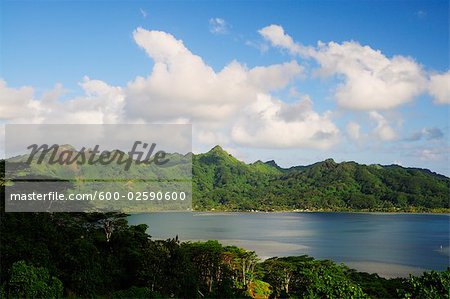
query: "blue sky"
44, 43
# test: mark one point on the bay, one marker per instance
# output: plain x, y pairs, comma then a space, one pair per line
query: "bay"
392, 245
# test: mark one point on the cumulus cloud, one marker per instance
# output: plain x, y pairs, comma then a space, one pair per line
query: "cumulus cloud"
439, 88
205, 136
278, 38
100, 103
181, 84
16, 102
269, 122
218, 26
182, 88
274, 77
235, 104
383, 130
370, 80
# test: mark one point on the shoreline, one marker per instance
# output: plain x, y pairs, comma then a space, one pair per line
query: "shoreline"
212, 212
309, 211
294, 240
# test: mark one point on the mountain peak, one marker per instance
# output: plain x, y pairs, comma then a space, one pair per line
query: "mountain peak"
329, 163
272, 163
217, 155
217, 149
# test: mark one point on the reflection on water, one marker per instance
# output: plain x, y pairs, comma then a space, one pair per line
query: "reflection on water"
388, 244
444, 250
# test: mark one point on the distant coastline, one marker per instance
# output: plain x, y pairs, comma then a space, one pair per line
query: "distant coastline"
218, 211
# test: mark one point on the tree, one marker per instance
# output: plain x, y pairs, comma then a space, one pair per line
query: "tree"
431, 285
28, 281
242, 263
279, 274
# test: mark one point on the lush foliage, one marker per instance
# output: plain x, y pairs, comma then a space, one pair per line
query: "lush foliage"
431, 285
221, 182
27, 281
305, 277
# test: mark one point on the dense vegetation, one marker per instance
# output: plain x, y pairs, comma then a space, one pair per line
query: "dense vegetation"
221, 182
51, 255
45, 255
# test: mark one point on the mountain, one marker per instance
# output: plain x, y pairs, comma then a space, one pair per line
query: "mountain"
222, 182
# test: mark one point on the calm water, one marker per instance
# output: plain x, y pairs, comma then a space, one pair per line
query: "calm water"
389, 244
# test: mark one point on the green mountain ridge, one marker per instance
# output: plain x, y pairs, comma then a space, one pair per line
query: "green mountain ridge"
223, 183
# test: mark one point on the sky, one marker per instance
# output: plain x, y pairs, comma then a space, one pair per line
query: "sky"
292, 81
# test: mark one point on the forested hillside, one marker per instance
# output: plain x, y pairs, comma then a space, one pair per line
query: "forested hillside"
222, 182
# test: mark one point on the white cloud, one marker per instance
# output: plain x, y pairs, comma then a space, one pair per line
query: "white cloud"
370, 80
271, 123
275, 76
218, 26
181, 84
100, 103
383, 130
16, 103
180, 88
235, 104
209, 137
278, 38
375, 128
439, 88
